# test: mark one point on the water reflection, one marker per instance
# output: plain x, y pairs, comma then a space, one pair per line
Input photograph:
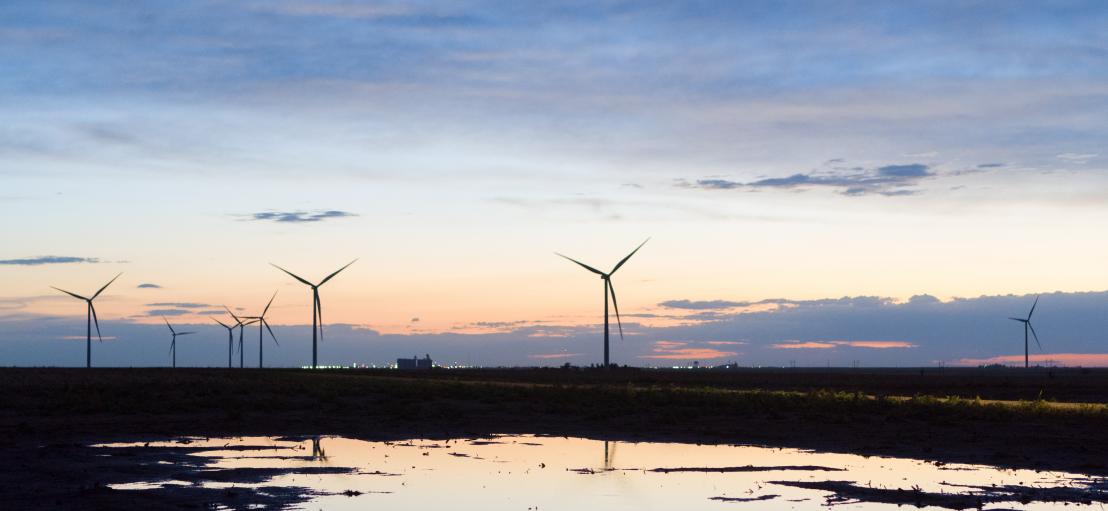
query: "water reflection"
517, 472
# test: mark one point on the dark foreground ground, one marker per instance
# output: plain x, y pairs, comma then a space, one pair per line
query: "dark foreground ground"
47, 415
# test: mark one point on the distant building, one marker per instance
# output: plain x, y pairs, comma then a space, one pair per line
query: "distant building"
414, 362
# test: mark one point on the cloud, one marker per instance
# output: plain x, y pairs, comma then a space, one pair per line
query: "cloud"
1060, 359
168, 312
414, 320
550, 356
797, 345
990, 165
702, 304
679, 350
180, 305
36, 261
300, 216
334, 10
147, 285
824, 345
1079, 158
888, 180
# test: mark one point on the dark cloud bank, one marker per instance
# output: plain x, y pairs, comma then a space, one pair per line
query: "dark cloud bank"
876, 331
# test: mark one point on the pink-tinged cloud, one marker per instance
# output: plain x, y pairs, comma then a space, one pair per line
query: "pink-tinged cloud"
877, 345
825, 345
549, 356
802, 346
82, 338
691, 354
1066, 359
676, 350
723, 343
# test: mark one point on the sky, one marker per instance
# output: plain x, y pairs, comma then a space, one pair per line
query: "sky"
822, 183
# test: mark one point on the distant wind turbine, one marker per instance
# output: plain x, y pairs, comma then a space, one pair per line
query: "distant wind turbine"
1027, 326
317, 307
241, 326
608, 288
263, 325
90, 318
230, 339
173, 343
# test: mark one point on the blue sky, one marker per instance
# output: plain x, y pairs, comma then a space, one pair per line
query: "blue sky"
795, 150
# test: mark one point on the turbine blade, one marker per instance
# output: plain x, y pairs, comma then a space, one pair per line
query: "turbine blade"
324, 281
624, 260
268, 304
185, 333
220, 322
171, 345
1033, 308
1035, 335
1018, 319
319, 314
266, 324
95, 321
105, 286
168, 325
616, 305
291, 274
228, 309
74, 295
583, 265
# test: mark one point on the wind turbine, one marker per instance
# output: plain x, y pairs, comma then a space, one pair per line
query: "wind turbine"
173, 343
317, 307
90, 318
608, 288
241, 326
230, 339
263, 325
1027, 326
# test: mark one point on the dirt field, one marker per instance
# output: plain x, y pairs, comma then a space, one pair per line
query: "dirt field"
47, 414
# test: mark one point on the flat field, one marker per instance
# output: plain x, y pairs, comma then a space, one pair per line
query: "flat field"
1035, 418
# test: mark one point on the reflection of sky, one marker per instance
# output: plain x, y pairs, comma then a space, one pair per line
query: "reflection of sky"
515, 473
800, 150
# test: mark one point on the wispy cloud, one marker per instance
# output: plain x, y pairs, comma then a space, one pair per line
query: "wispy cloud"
148, 285
1079, 158
1061, 359
888, 180
180, 305
702, 304
681, 350
553, 356
300, 216
41, 260
824, 345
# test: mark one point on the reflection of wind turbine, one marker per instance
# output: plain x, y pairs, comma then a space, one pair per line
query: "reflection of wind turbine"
608, 288
173, 343
263, 325
1027, 326
230, 339
317, 449
241, 326
317, 307
609, 457
90, 317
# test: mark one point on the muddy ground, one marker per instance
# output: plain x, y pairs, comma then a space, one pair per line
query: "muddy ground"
48, 416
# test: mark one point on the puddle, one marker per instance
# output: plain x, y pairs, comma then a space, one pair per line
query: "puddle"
529, 472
